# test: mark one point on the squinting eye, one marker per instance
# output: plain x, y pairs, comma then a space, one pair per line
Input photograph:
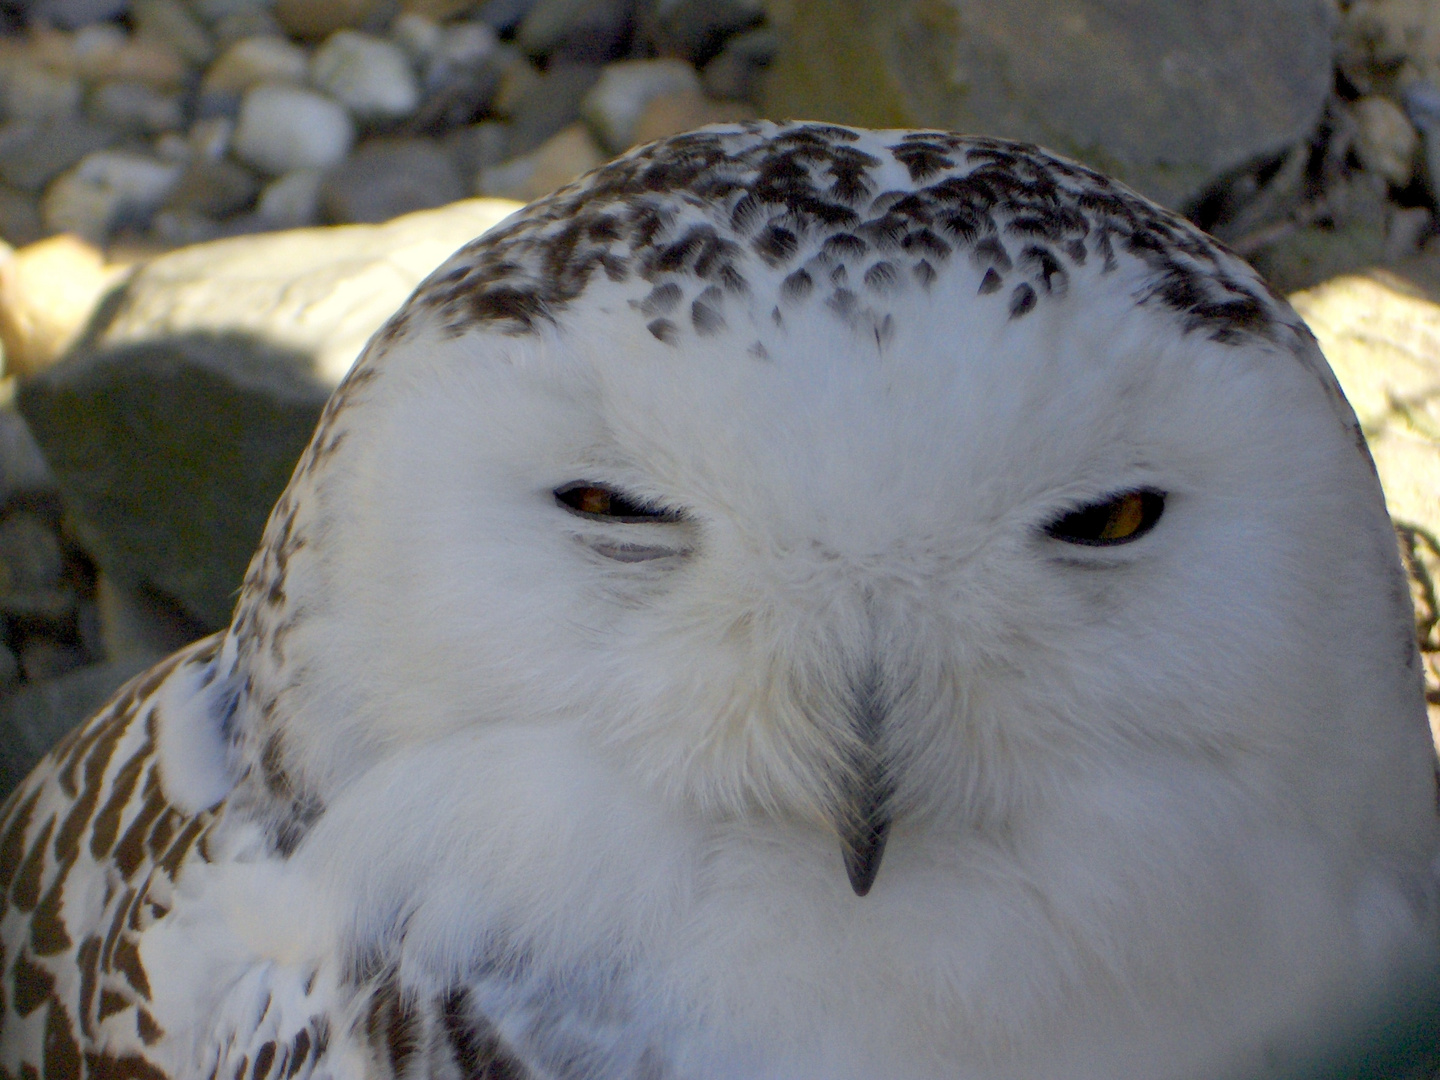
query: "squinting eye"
1127, 516
598, 501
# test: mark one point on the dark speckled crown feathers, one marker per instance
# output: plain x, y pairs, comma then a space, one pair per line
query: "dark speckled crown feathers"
689, 214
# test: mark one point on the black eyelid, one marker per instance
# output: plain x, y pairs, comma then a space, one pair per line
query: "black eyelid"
624, 508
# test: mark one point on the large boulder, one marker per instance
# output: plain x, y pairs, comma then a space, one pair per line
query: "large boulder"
174, 424
1168, 96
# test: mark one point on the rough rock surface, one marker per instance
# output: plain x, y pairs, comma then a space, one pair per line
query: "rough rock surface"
1167, 96
172, 428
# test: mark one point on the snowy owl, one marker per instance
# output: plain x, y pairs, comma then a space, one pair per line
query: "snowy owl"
800, 603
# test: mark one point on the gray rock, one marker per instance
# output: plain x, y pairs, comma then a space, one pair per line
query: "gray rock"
504, 16
107, 190
461, 77
9, 669
1166, 95
252, 22
1353, 233
43, 658
136, 624
736, 74
72, 14
215, 11
254, 60
213, 188
580, 31
33, 153
614, 105
285, 127
385, 178
368, 75
170, 21
31, 565
315, 19
477, 146
550, 104
20, 222
22, 467
35, 718
173, 428
133, 106
291, 201
698, 29
31, 92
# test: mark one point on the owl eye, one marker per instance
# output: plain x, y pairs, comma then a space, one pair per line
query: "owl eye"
598, 501
1118, 520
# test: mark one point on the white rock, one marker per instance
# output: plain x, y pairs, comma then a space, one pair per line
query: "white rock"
254, 60
370, 76
614, 105
417, 35
292, 201
1387, 139
107, 189
285, 127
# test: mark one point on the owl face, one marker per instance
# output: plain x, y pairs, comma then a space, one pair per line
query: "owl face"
866, 526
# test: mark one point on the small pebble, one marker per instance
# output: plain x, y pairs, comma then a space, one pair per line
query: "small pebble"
254, 60
616, 102
282, 128
106, 190
292, 201
368, 75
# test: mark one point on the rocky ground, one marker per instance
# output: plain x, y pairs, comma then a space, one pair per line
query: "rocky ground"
187, 189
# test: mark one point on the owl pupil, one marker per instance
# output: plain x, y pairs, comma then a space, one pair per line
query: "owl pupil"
593, 500
1119, 520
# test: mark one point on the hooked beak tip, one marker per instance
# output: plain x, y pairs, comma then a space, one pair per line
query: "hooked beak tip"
862, 853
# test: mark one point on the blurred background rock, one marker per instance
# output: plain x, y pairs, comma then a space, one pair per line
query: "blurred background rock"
192, 195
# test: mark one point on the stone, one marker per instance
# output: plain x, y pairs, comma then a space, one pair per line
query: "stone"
546, 104
48, 291
698, 29
1350, 234
580, 31
9, 670
504, 16
22, 467
1380, 330
134, 106
368, 75
255, 60
684, 112
222, 355
252, 22
1387, 140
436, 10
102, 54
385, 178
419, 35
316, 19
474, 147
462, 75
209, 139
20, 222
282, 128
44, 657
170, 22
736, 74
615, 103
1379, 38
31, 569
564, 157
291, 201
135, 624
34, 718
215, 189
32, 153
212, 12
1167, 101
31, 92
107, 190
71, 14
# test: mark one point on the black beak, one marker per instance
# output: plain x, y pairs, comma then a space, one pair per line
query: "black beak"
864, 818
